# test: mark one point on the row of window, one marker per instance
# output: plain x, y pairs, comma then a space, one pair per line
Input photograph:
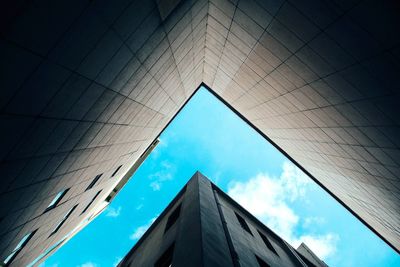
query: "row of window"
267, 243
56, 200
245, 226
28, 236
69, 212
62, 193
18, 248
57, 244
166, 259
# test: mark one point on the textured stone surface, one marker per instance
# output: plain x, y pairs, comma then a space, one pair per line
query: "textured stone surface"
86, 86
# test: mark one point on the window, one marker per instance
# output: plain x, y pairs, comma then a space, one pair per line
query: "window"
243, 223
115, 172
94, 181
166, 258
56, 199
18, 248
267, 243
173, 218
91, 201
63, 220
261, 263
47, 252
56, 245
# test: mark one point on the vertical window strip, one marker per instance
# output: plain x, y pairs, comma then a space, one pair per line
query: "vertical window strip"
63, 220
94, 181
90, 203
56, 199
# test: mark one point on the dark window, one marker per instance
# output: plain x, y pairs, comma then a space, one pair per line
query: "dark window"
267, 243
56, 199
243, 223
91, 201
63, 220
261, 263
166, 258
173, 218
115, 172
94, 181
22, 243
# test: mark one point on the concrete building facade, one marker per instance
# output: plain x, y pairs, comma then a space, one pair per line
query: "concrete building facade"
204, 227
87, 86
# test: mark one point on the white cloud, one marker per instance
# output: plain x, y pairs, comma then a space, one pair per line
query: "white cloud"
268, 199
164, 174
141, 230
264, 197
161, 145
87, 264
156, 185
310, 221
139, 207
113, 212
295, 181
323, 246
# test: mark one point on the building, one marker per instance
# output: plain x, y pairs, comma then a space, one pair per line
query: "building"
87, 86
203, 226
58, 234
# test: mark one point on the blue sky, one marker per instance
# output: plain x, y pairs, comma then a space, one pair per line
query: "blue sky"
208, 137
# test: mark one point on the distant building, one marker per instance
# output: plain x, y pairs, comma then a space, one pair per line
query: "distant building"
203, 226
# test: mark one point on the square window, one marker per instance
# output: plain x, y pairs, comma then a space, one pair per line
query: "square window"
166, 258
173, 218
267, 243
261, 262
243, 223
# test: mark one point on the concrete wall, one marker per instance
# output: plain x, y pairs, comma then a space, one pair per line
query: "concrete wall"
86, 86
